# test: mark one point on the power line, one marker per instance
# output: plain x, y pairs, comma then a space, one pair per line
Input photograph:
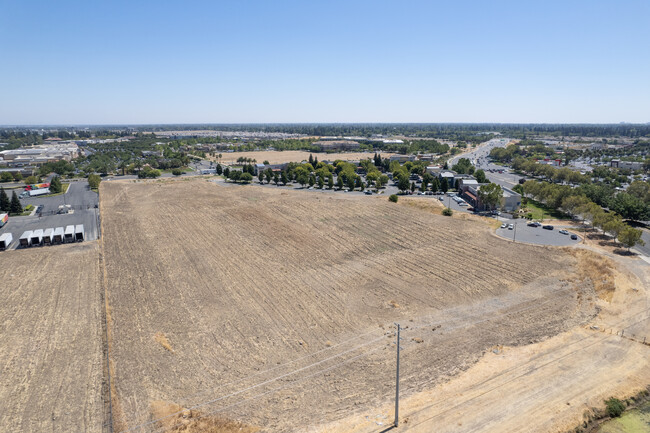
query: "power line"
254, 386
527, 372
333, 357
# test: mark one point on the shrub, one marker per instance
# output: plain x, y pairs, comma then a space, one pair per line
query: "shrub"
447, 211
177, 172
615, 407
393, 198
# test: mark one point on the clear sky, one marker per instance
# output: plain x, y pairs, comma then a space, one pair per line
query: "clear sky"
136, 61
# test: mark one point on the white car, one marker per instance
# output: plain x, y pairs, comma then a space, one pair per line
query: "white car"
563, 232
511, 226
504, 225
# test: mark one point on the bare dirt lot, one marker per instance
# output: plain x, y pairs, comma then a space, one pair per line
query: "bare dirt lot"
276, 157
275, 308
50, 340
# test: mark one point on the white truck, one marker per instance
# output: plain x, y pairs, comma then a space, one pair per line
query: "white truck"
69, 234
58, 235
48, 236
26, 239
5, 241
37, 192
79, 233
37, 237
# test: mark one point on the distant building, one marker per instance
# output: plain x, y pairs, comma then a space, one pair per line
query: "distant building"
38, 155
402, 158
337, 145
629, 165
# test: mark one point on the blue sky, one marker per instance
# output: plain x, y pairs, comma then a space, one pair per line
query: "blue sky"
91, 62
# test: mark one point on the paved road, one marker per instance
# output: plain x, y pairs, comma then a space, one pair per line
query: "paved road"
82, 200
536, 235
479, 157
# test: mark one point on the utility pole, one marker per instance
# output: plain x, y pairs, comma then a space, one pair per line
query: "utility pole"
396, 423
514, 237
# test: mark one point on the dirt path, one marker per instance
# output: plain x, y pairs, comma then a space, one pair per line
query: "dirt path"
544, 387
50, 335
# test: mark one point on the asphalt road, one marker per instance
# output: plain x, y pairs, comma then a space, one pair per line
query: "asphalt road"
82, 201
479, 157
536, 235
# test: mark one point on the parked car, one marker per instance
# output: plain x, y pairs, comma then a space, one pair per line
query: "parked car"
368, 193
547, 227
511, 226
563, 232
440, 198
574, 237
504, 225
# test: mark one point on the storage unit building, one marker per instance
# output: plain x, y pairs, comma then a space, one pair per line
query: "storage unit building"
69, 234
26, 239
5, 241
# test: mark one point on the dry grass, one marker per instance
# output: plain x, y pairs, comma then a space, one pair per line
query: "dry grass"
177, 419
599, 269
163, 341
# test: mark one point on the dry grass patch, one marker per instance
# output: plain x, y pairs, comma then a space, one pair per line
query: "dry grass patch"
599, 269
174, 418
163, 341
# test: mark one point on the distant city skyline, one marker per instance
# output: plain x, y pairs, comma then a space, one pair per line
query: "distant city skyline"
229, 62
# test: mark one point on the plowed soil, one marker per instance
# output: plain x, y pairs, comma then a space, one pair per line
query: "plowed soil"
50, 340
276, 308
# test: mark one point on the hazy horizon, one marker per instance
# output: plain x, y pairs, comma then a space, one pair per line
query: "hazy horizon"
125, 63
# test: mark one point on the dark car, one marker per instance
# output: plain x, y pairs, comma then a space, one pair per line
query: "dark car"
547, 227
574, 237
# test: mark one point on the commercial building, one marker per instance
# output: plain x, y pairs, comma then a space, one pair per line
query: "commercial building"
38, 155
629, 165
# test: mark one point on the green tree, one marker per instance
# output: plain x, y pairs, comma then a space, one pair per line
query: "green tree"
330, 182
94, 180
321, 182
260, 176
444, 186
412, 186
358, 183
284, 178
226, 172
15, 207
393, 198
269, 175
339, 182
30, 180
5, 203
490, 195
55, 185
177, 172
615, 407
447, 212
6, 177
245, 177
628, 236
614, 225
18, 176
276, 179
312, 180
219, 169
403, 183
351, 183
480, 176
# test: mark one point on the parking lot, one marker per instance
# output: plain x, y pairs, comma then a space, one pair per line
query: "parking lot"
521, 232
83, 204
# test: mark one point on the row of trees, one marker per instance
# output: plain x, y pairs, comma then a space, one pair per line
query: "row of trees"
12, 206
575, 203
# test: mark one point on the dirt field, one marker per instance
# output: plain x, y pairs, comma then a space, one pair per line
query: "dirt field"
50, 340
275, 157
275, 308
551, 386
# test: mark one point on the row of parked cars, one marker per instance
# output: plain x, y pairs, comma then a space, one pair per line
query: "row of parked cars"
545, 227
